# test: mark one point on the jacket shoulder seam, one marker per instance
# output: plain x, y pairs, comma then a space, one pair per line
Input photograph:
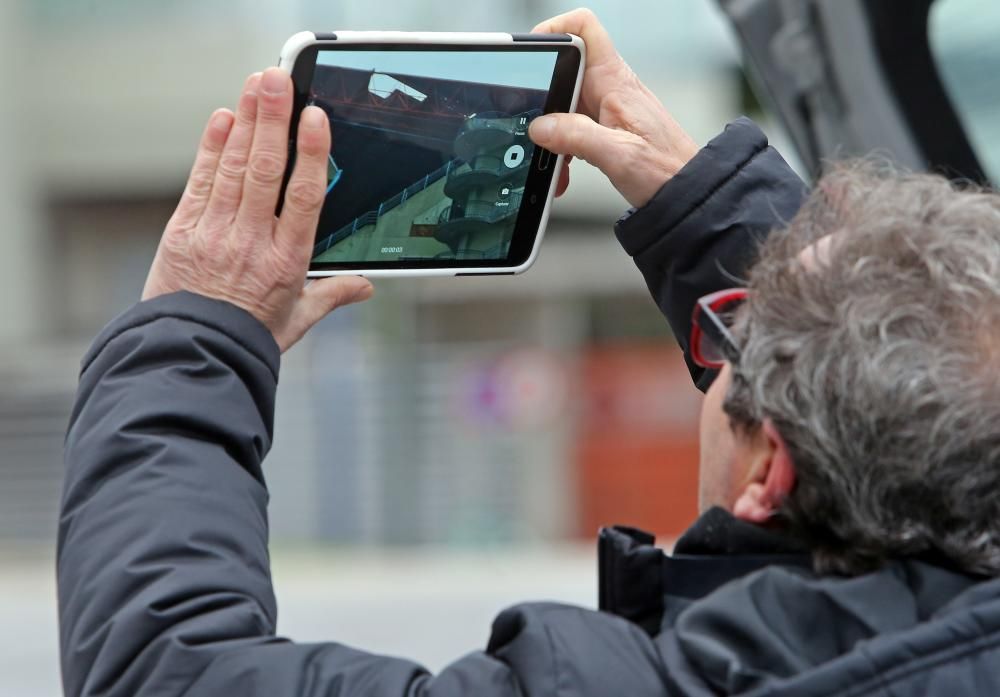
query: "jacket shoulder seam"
555, 661
924, 663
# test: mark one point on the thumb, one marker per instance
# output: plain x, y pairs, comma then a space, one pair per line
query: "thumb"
579, 136
325, 295
319, 299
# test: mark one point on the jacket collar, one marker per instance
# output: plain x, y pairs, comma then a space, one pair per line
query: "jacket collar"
718, 532
637, 579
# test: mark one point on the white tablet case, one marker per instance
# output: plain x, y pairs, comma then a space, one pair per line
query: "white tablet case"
295, 45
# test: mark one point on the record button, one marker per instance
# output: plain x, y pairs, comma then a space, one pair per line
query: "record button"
514, 156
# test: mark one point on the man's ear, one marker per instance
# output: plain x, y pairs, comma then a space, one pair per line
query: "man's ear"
772, 477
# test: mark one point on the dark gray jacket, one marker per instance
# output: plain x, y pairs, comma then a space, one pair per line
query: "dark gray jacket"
163, 570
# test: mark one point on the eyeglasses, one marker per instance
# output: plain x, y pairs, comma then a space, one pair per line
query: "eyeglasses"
712, 344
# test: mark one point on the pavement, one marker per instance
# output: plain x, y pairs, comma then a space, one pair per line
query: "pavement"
431, 605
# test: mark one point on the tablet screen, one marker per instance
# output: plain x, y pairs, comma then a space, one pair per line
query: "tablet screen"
430, 156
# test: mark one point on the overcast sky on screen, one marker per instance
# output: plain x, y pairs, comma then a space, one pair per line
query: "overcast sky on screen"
531, 70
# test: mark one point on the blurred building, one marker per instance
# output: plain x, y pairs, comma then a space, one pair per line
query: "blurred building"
446, 410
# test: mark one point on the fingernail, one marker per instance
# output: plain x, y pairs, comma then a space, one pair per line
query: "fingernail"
274, 81
222, 120
313, 117
364, 292
250, 87
542, 128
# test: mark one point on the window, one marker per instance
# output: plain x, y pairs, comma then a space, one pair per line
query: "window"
963, 39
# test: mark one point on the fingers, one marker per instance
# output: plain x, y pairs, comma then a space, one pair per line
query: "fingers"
228, 186
563, 179
269, 152
579, 136
199, 184
320, 298
307, 187
583, 23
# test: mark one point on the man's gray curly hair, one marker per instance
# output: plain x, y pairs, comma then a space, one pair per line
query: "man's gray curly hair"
877, 356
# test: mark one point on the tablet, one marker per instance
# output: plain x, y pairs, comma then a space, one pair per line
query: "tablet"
431, 170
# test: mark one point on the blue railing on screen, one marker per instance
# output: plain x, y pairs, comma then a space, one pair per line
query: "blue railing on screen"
372, 217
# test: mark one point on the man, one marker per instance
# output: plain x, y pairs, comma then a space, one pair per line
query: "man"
850, 463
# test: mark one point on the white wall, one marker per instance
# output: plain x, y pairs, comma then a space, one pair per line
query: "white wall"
21, 285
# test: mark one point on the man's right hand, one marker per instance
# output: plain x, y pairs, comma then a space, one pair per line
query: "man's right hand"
621, 127
224, 241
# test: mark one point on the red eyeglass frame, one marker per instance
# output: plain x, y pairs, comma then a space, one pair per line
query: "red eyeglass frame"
708, 325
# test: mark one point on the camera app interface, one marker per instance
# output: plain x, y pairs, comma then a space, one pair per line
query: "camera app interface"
430, 151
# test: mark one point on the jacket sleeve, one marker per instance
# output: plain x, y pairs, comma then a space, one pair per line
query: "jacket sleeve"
700, 232
163, 571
